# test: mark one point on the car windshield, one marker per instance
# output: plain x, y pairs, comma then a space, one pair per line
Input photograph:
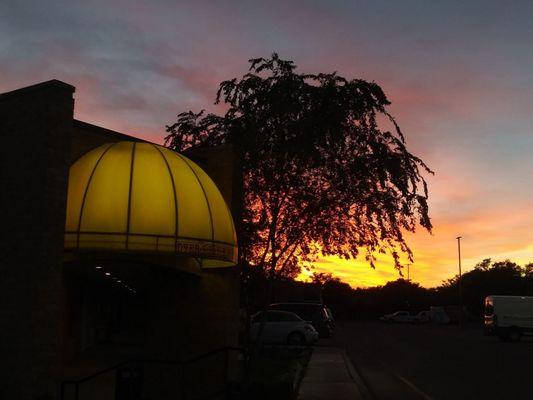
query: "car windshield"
308, 312
276, 316
256, 318
280, 316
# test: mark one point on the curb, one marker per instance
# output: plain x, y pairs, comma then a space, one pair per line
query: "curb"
302, 375
357, 378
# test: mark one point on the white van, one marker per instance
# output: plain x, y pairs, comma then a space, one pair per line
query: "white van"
508, 317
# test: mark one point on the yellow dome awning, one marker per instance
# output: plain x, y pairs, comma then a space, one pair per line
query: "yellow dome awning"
141, 197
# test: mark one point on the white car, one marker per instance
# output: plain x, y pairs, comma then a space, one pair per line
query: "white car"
422, 317
398, 316
439, 315
283, 327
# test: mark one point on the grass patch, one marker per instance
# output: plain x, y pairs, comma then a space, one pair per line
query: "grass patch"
277, 372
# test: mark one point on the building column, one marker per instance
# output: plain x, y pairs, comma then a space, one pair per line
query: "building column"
35, 128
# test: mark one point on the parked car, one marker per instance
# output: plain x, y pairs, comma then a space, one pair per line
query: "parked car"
439, 315
508, 317
331, 319
398, 316
316, 314
422, 317
282, 327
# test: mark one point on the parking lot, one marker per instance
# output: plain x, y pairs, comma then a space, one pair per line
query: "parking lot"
404, 361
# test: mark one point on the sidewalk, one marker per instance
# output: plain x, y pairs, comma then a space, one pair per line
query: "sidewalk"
330, 375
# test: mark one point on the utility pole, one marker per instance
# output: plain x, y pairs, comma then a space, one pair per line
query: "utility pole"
459, 254
459, 282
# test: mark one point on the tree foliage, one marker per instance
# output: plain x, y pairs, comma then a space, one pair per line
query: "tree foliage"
488, 278
323, 278
320, 174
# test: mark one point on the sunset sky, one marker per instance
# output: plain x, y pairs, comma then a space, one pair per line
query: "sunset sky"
459, 75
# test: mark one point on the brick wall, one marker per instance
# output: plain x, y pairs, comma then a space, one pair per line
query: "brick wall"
35, 129
87, 136
220, 289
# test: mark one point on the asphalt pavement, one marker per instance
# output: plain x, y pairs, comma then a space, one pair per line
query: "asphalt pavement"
435, 362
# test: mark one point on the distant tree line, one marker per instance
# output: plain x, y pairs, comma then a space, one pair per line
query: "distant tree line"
487, 278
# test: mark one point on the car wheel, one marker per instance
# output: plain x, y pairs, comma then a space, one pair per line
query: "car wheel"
296, 339
515, 334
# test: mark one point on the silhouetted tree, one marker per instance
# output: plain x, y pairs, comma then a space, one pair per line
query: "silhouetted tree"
487, 278
397, 295
320, 175
322, 278
484, 265
339, 296
528, 270
527, 273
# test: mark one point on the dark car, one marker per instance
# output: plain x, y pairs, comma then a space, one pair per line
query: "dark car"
317, 314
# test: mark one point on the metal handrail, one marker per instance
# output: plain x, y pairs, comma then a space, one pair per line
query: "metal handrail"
181, 363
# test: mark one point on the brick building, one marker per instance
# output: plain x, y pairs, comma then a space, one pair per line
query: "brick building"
75, 301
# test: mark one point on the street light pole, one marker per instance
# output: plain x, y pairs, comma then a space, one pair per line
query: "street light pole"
460, 274
459, 251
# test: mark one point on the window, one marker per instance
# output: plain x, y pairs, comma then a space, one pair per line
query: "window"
289, 317
302, 312
401, 313
256, 318
273, 316
307, 312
